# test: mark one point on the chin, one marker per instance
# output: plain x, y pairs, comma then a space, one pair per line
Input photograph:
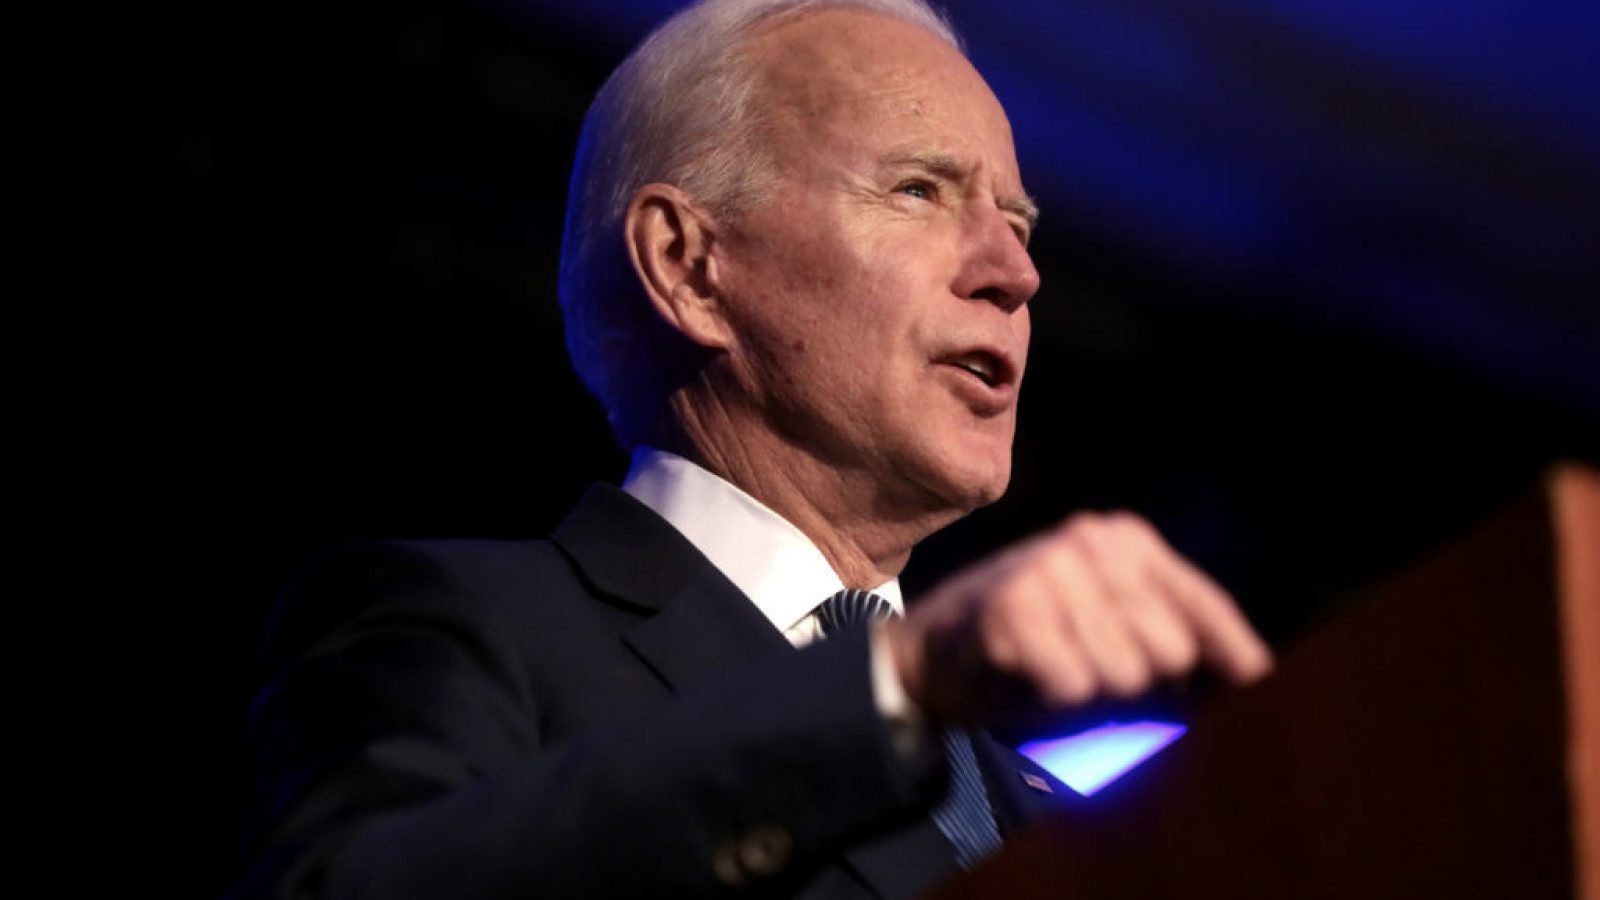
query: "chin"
965, 487
986, 469
956, 470
992, 489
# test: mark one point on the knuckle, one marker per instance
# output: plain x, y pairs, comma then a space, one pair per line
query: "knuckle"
999, 650
1069, 689
1011, 594
1128, 679
1179, 655
1134, 527
1078, 525
1010, 602
1124, 520
1068, 681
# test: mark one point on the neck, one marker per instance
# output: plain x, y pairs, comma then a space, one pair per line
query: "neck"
863, 530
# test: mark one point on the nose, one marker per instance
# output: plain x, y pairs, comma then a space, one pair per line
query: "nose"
996, 267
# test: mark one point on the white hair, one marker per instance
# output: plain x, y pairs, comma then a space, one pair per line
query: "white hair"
678, 111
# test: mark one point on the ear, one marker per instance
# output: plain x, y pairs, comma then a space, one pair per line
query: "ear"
670, 242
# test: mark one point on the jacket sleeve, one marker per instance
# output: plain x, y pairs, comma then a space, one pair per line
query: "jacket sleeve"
403, 751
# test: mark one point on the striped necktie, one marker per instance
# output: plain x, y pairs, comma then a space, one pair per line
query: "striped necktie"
965, 816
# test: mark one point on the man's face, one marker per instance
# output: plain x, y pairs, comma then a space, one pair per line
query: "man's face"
878, 291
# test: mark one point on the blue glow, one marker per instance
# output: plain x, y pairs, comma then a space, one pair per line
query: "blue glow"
1090, 760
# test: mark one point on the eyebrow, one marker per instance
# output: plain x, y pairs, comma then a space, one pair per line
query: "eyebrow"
950, 168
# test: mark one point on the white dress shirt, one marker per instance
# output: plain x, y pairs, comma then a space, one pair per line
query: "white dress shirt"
766, 557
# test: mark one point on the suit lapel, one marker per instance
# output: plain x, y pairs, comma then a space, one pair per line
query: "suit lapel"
706, 631
698, 626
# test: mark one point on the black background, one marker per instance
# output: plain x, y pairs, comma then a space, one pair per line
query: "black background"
286, 274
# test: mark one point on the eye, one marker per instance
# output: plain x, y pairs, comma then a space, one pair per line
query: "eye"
920, 189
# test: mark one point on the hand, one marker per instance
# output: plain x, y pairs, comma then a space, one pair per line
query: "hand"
1097, 608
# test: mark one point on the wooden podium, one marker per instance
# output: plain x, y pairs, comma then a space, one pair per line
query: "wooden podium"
1440, 739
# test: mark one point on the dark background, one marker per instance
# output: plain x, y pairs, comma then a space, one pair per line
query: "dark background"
1320, 290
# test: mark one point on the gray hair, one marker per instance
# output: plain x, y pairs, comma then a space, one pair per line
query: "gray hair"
678, 111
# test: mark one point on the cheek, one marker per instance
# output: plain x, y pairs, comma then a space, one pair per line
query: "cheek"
817, 311
826, 306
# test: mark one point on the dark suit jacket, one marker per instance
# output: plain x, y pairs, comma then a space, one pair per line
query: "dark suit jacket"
598, 714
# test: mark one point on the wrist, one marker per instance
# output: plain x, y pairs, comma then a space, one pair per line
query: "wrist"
907, 724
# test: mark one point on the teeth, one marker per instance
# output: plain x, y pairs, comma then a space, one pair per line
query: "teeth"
981, 366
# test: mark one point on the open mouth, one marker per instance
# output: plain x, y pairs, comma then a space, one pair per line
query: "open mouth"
987, 367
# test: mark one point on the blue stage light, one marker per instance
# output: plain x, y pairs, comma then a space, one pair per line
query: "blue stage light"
1090, 760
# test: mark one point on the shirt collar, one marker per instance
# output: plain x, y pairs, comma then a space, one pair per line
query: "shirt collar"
763, 554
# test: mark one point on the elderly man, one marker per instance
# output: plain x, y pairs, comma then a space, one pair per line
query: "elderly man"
797, 276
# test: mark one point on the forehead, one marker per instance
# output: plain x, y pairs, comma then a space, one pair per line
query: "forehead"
874, 81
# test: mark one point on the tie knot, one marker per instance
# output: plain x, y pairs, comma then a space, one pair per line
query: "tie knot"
851, 607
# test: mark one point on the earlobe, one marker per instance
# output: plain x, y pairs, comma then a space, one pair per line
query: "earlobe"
670, 242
